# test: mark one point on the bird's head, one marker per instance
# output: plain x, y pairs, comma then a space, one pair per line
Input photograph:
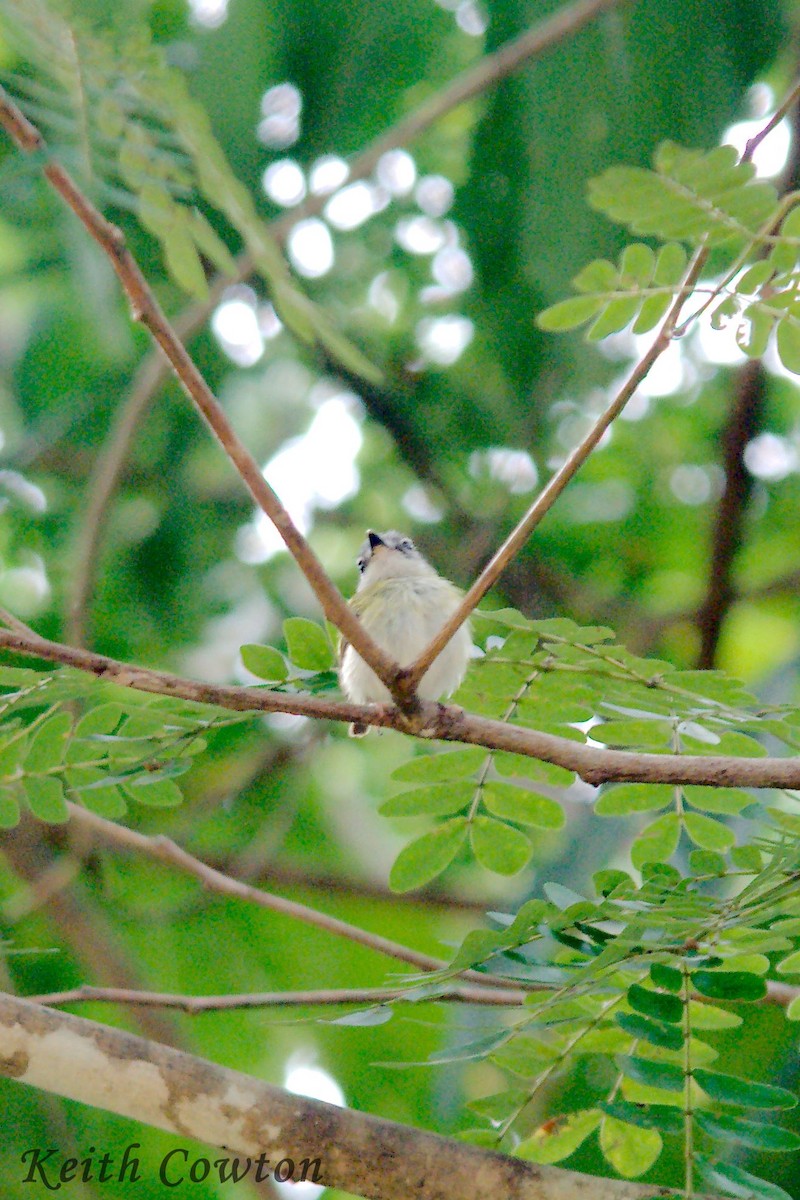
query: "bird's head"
390, 555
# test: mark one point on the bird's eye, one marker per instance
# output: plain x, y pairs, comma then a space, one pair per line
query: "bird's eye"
405, 544
362, 562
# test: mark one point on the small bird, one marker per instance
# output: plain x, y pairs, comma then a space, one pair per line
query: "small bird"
402, 603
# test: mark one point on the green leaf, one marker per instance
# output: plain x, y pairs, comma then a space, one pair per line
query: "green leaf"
747, 858
729, 985
646, 1116
658, 842
657, 1033
497, 1107
738, 1182
747, 1133
614, 317
48, 744
183, 262
158, 793
430, 768
265, 662
440, 799
789, 965
708, 1016
706, 863
664, 976
634, 734
499, 847
717, 800
307, 644
793, 1011
427, 856
607, 881
89, 786
553, 1144
568, 314
660, 1005
665, 1076
788, 343
623, 798
669, 203
104, 718
631, 1150
518, 804
12, 754
731, 1089
708, 833
45, 795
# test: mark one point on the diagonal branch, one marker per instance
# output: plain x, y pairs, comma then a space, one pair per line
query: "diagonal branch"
191, 1097
434, 721
473, 81
146, 309
163, 849
556, 485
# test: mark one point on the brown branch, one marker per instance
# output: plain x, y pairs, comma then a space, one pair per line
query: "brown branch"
11, 622
556, 485
191, 1097
744, 420
775, 120
436, 722
781, 994
498, 997
163, 849
145, 308
478, 78
742, 424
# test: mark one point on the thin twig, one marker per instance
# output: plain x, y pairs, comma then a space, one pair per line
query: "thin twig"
436, 722
477, 78
556, 485
323, 997
146, 309
12, 622
775, 120
165, 850
781, 994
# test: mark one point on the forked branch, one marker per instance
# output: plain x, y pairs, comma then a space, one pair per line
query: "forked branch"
434, 721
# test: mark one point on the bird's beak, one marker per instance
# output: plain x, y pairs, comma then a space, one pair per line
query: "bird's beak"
374, 539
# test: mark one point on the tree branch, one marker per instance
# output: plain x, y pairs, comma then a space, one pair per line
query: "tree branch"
190, 1097
780, 994
772, 123
556, 485
743, 422
499, 997
146, 309
440, 722
165, 850
478, 78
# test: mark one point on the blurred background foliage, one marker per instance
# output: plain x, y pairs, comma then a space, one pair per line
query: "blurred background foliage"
436, 266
